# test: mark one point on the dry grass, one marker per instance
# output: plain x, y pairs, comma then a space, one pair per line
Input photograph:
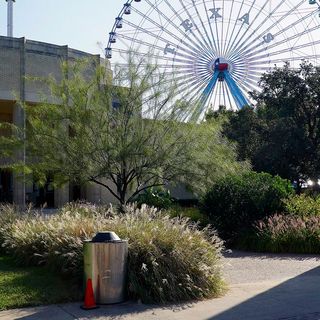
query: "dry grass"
285, 233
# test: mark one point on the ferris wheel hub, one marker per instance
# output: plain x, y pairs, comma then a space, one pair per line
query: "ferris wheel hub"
221, 64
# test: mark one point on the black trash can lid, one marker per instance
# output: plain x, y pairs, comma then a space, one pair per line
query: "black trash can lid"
106, 236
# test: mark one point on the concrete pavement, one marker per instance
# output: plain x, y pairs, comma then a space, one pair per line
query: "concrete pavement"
262, 287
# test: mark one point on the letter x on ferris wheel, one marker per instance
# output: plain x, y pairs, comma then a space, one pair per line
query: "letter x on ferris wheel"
217, 50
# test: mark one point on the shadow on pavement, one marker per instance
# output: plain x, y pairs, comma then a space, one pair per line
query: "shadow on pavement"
295, 299
110, 312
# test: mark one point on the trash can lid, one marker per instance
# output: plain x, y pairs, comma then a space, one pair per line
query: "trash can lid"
106, 236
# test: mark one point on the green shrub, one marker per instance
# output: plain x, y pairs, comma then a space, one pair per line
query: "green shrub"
284, 233
169, 259
193, 213
302, 205
155, 197
235, 202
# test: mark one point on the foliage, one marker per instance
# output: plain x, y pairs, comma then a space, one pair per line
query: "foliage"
281, 135
121, 134
236, 201
245, 127
193, 213
155, 197
169, 259
8, 215
30, 286
213, 157
284, 233
302, 205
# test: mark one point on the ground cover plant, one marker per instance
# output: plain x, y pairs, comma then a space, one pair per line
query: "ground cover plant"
284, 234
29, 286
169, 259
236, 201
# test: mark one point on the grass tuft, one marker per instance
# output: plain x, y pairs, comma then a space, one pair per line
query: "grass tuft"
284, 234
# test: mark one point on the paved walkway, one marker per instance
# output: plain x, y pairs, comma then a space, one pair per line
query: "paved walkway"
261, 287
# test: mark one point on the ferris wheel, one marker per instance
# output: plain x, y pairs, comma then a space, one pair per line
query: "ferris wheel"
217, 50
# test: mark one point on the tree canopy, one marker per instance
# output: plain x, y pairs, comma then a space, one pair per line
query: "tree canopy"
282, 134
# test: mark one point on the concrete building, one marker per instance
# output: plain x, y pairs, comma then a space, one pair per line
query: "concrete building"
21, 58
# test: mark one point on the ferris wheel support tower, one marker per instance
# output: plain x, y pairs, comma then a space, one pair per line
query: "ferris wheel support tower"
10, 17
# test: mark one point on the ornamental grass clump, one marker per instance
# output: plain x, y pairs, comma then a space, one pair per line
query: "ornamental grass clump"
8, 215
169, 259
285, 233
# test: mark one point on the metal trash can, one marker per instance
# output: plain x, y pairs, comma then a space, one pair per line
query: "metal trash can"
105, 263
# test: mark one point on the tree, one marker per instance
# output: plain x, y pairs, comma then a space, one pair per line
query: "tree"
281, 135
121, 134
246, 129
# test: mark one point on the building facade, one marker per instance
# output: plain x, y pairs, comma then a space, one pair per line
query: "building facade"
20, 59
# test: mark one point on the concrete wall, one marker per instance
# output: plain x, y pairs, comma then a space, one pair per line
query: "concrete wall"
20, 59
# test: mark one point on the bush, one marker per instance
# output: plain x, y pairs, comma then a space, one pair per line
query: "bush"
155, 197
284, 233
302, 205
169, 259
193, 213
235, 202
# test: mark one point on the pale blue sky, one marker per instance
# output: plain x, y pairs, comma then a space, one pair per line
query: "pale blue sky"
78, 23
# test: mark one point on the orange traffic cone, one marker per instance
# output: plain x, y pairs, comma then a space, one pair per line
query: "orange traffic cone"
89, 302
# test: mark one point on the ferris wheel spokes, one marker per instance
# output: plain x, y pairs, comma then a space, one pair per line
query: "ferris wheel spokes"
210, 27
296, 48
245, 19
182, 21
234, 26
266, 36
250, 24
274, 44
238, 46
195, 42
207, 40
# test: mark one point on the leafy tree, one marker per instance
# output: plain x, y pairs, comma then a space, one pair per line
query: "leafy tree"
121, 133
246, 129
282, 135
